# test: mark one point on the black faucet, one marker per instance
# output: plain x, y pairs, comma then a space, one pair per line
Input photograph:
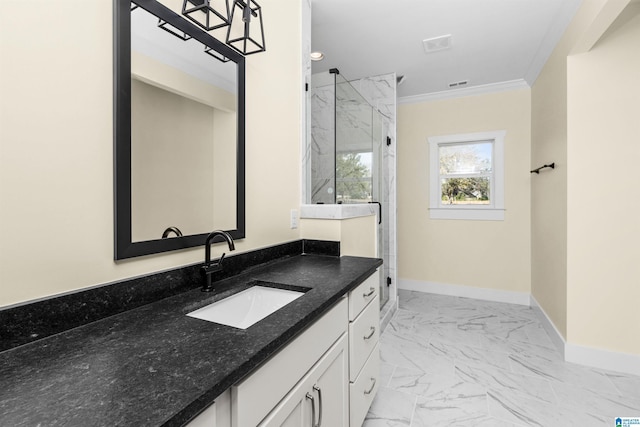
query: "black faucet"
211, 267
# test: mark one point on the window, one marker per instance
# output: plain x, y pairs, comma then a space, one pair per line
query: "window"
467, 176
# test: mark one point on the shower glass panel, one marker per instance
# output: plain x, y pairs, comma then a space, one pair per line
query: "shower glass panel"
323, 136
354, 145
348, 163
381, 195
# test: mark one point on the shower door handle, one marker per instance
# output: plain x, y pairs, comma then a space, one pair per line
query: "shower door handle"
379, 211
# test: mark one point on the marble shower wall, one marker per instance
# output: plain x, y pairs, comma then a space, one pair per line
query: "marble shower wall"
354, 119
344, 112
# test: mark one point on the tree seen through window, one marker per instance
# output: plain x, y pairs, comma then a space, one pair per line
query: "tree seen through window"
465, 173
353, 177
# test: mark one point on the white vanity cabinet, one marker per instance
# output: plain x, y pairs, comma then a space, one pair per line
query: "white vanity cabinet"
364, 334
207, 418
216, 415
302, 363
320, 398
327, 376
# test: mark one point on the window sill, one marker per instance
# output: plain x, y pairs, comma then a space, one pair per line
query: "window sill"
467, 214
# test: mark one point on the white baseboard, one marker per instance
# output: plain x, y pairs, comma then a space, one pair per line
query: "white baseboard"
511, 297
602, 359
550, 327
589, 356
574, 353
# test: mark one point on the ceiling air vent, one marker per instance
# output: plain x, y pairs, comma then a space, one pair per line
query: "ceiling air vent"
458, 84
437, 43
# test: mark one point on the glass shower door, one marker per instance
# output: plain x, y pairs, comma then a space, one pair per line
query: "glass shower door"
381, 196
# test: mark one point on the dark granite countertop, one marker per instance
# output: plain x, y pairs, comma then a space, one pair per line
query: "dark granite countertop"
154, 365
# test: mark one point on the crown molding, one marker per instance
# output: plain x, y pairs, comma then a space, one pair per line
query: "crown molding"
464, 92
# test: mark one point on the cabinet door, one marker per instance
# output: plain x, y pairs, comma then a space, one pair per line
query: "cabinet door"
331, 392
321, 395
253, 398
292, 412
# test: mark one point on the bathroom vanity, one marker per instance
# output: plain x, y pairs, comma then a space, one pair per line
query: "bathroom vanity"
154, 365
326, 376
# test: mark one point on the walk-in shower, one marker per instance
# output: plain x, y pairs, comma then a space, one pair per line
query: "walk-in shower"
348, 154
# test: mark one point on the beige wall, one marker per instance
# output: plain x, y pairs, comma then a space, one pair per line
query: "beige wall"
549, 189
489, 254
156, 73
603, 281
357, 236
585, 120
169, 171
56, 146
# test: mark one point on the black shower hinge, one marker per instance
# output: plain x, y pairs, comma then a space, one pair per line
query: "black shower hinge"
388, 141
388, 281
306, 87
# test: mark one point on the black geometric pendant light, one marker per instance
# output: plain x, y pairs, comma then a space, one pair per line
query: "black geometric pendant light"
208, 14
245, 33
243, 22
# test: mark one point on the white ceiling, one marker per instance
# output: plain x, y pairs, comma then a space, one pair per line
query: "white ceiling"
493, 42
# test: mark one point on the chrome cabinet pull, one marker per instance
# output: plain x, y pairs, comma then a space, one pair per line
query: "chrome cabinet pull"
316, 388
372, 386
373, 331
371, 292
313, 409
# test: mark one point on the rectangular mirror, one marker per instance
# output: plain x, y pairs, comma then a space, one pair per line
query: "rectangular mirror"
179, 132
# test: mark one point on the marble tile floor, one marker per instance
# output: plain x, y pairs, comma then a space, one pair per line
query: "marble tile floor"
451, 361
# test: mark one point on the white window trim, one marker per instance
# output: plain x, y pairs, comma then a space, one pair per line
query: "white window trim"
495, 212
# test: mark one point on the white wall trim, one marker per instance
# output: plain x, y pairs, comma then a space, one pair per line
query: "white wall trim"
602, 359
588, 356
497, 295
467, 214
467, 91
492, 212
548, 325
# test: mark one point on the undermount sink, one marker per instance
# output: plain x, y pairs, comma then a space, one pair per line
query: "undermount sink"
245, 308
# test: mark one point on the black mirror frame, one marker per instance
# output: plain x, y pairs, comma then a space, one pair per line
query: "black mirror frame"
123, 246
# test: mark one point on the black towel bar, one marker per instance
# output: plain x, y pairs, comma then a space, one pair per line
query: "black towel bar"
552, 166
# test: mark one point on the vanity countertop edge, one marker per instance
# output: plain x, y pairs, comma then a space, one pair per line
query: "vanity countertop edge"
153, 365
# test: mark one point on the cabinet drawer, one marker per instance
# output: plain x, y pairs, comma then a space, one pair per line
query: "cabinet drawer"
254, 397
363, 337
363, 294
364, 389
